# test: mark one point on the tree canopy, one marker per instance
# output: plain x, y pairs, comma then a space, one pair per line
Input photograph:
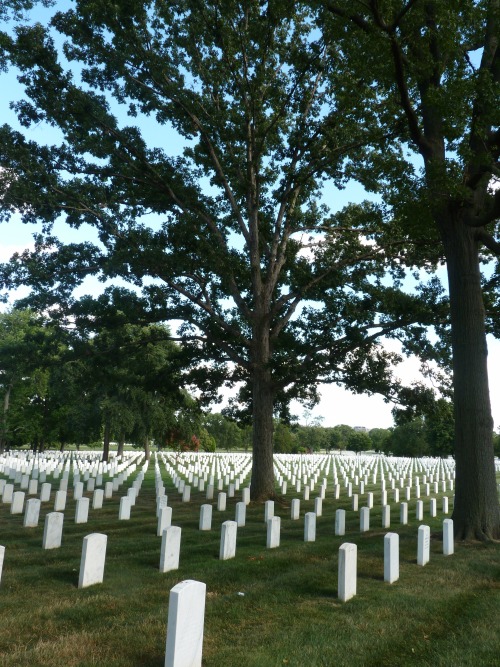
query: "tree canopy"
433, 71
227, 230
61, 386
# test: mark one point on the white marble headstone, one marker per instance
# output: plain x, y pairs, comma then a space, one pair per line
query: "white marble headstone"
391, 557
347, 584
424, 541
92, 560
52, 532
170, 549
228, 540
186, 617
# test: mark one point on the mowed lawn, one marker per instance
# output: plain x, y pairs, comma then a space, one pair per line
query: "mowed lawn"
264, 608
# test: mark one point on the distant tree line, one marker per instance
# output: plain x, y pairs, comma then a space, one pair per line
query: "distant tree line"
429, 435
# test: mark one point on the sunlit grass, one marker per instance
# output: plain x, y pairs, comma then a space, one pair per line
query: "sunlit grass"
264, 608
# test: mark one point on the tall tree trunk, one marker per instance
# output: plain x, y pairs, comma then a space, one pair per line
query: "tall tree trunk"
106, 439
147, 450
3, 432
476, 512
121, 446
262, 484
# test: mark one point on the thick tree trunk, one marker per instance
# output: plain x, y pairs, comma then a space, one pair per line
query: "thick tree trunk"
262, 484
106, 439
476, 511
3, 432
121, 446
147, 450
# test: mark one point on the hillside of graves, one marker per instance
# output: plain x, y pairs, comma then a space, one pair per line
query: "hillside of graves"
353, 563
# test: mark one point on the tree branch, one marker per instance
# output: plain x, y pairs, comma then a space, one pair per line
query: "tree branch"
488, 241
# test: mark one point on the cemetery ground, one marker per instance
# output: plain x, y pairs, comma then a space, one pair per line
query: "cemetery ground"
264, 607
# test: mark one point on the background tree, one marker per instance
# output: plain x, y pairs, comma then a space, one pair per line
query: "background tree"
436, 73
131, 372
380, 439
274, 292
225, 431
409, 439
31, 348
285, 441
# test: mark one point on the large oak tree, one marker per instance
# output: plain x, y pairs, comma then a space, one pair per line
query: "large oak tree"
225, 231
435, 67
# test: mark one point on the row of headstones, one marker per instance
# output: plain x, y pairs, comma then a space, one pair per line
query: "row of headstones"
357, 477
441, 469
92, 479
346, 465
186, 610
41, 465
94, 550
191, 468
171, 535
54, 520
198, 474
7, 489
184, 489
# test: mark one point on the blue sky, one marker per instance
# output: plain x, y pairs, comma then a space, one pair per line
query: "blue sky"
337, 405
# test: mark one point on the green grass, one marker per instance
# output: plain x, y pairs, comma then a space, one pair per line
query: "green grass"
444, 614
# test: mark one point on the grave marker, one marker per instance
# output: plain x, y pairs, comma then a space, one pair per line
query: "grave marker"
60, 501
348, 554
8, 492
228, 540
310, 527
364, 520
221, 501
318, 506
92, 560
97, 499
82, 510
45, 492
273, 532
170, 549
205, 517
241, 514
424, 540
17, 505
403, 513
32, 513
268, 510
52, 531
391, 558
386, 516
164, 519
448, 537
340, 522
186, 616
124, 511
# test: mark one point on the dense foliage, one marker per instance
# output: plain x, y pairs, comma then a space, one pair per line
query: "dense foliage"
62, 386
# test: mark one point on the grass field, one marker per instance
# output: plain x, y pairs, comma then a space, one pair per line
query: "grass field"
265, 608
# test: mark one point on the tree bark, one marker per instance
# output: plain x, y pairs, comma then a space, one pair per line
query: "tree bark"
476, 512
262, 484
3, 432
106, 439
121, 446
147, 450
